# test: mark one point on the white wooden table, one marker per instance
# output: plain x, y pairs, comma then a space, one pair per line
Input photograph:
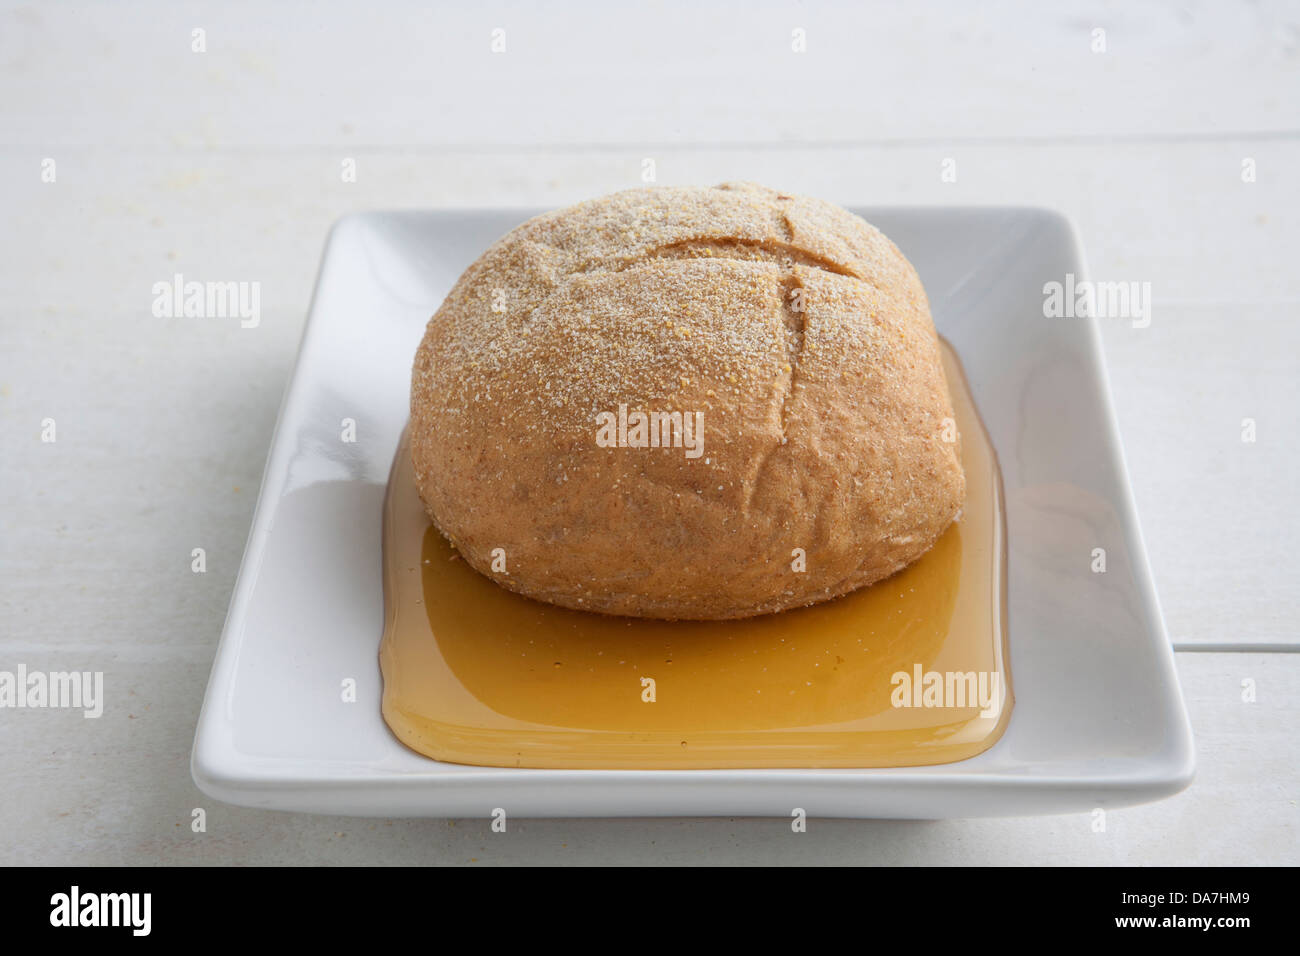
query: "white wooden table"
227, 164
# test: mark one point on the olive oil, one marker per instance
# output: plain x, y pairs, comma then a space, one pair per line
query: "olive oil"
911, 670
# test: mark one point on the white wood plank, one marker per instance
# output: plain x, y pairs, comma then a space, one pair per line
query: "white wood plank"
117, 791
417, 75
1179, 217
1217, 511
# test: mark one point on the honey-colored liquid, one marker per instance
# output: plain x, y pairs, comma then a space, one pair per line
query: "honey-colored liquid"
476, 674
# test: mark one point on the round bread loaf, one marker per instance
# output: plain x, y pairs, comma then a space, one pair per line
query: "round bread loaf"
808, 455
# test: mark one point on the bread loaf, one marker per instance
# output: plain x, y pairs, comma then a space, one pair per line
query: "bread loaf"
686, 403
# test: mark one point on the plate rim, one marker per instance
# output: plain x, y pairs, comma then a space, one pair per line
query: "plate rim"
222, 772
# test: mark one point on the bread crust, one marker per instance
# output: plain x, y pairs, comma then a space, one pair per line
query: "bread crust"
798, 330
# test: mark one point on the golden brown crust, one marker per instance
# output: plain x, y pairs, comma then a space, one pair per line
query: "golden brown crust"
799, 331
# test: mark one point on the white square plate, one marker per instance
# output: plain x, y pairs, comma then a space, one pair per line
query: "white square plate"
1099, 720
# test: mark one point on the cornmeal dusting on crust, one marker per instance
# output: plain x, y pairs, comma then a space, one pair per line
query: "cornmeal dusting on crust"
799, 331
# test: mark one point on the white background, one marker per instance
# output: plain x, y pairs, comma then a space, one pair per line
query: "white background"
225, 165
